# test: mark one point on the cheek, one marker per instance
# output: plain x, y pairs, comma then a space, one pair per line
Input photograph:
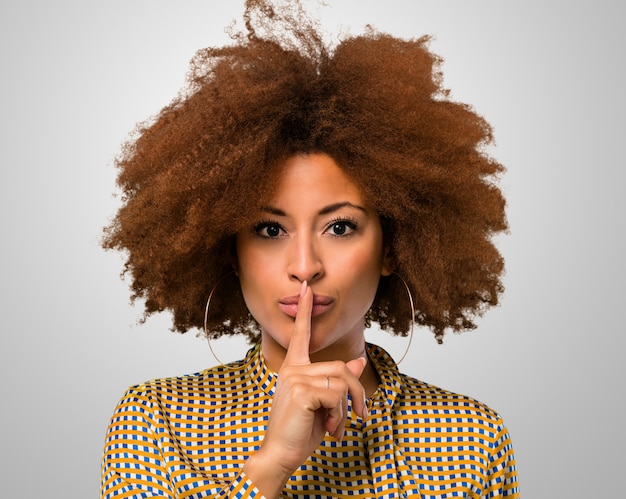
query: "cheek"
365, 261
251, 259
360, 273
258, 272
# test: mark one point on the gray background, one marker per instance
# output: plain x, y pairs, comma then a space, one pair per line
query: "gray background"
76, 77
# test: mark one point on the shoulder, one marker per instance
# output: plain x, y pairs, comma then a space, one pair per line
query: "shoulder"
432, 404
413, 396
440, 425
203, 384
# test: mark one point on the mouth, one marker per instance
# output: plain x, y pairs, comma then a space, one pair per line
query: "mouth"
289, 305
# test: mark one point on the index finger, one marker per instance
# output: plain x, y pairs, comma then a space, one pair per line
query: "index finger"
298, 351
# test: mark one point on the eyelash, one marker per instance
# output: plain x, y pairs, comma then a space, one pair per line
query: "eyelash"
348, 222
264, 225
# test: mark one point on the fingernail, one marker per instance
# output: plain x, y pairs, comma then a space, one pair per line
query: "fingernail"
302, 289
338, 434
365, 411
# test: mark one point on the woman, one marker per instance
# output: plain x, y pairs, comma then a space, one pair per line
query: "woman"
304, 189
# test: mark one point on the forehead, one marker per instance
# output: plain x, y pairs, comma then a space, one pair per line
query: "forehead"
313, 178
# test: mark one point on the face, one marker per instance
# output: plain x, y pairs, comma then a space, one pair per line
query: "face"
317, 227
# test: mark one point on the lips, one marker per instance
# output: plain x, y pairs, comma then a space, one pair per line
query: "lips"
289, 305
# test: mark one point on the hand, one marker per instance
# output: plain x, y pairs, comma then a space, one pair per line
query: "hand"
310, 399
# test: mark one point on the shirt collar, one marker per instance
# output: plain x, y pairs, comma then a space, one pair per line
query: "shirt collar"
390, 377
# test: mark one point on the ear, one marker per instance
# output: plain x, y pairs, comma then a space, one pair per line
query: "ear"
235, 266
388, 262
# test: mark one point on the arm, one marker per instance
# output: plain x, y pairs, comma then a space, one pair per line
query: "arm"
143, 459
310, 400
502, 472
134, 465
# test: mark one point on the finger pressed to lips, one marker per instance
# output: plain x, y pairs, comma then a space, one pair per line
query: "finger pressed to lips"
297, 367
298, 351
321, 304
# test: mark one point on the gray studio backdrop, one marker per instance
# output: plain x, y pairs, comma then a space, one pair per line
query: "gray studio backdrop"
77, 76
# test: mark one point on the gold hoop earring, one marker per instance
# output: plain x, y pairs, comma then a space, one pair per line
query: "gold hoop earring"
206, 315
408, 292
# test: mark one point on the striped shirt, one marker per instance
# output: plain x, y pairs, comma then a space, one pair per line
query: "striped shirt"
189, 436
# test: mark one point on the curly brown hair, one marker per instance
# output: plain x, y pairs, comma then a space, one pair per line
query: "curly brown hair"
192, 176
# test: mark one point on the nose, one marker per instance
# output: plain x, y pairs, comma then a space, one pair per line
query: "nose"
305, 262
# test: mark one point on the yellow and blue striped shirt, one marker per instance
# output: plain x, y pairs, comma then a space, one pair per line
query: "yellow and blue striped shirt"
189, 436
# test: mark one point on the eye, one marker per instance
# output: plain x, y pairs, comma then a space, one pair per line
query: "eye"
340, 228
269, 230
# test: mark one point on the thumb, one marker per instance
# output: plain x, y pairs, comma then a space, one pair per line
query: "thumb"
357, 366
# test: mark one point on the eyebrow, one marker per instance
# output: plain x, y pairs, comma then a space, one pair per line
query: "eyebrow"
324, 211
